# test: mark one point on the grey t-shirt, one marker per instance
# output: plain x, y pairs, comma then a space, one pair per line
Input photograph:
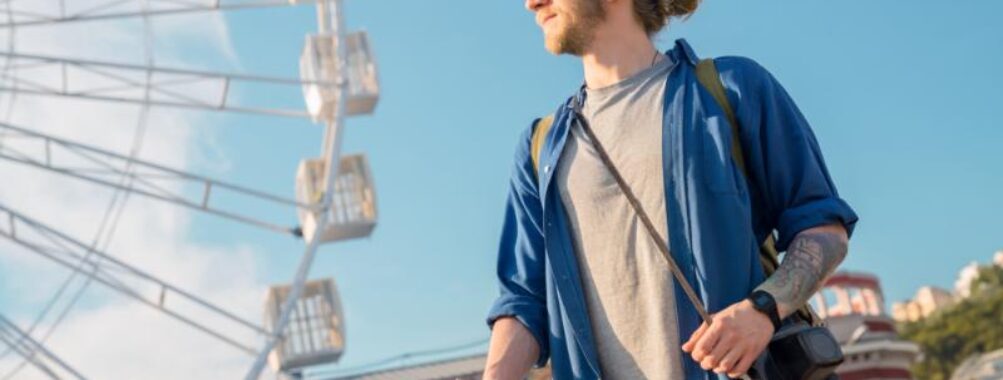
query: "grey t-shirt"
627, 283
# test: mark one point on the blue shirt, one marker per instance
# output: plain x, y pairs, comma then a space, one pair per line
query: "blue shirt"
716, 216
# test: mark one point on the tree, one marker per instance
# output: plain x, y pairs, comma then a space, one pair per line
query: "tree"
971, 327
989, 277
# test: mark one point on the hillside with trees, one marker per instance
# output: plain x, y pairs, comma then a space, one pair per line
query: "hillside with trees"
973, 326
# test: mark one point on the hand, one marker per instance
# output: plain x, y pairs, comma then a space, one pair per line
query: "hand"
733, 341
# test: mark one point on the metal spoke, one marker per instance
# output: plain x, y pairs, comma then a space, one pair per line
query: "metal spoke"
29, 349
100, 7
89, 15
247, 110
33, 84
117, 77
24, 353
19, 220
159, 83
105, 158
136, 85
158, 69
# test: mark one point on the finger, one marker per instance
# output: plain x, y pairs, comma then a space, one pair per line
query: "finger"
720, 350
706, 343
730, 360
743, 365
688, 346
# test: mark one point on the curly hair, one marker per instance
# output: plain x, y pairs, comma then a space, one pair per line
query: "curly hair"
655, 14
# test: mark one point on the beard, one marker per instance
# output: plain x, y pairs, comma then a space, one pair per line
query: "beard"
582, 18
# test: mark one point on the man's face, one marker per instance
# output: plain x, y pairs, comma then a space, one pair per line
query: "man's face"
568, 25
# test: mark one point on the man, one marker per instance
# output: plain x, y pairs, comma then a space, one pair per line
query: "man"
583, 283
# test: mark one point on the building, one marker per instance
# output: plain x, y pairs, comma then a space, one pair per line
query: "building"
463, 368
967, 274
852, 306
988, 366
928, 300
963, 285
907, 311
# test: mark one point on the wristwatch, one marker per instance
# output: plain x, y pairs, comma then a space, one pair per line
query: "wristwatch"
764, 302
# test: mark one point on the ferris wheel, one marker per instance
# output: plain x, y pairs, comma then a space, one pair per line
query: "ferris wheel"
334, 193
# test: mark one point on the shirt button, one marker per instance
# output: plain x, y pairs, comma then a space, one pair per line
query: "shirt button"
546, 169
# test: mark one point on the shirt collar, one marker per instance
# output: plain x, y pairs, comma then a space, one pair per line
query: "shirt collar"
683, 52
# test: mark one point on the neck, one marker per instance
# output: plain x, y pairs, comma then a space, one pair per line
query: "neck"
612, 58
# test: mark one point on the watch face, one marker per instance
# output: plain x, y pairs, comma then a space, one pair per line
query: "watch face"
762, 299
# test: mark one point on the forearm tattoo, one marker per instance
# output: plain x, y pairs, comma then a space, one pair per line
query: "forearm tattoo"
810, 258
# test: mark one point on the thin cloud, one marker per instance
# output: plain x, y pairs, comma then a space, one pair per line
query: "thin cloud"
108, 336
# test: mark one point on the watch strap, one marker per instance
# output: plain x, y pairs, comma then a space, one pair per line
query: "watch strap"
768, 308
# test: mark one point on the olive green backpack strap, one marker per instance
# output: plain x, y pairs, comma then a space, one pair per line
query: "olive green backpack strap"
710, 79
540, 129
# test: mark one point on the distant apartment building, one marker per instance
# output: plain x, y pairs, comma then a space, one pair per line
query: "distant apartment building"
963, 285
928, 300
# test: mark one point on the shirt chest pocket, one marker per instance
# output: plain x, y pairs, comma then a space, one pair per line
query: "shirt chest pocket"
717, 167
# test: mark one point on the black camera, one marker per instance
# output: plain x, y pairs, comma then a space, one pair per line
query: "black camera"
799, 351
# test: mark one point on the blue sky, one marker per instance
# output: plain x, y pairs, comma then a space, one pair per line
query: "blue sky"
903, 97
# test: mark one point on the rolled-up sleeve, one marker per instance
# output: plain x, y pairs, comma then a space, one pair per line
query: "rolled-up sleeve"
521, 260
783, 157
